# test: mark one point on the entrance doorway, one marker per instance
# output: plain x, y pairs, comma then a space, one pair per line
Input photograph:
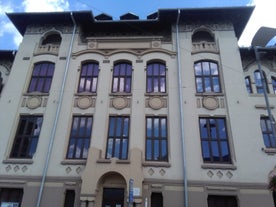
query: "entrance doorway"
113, 197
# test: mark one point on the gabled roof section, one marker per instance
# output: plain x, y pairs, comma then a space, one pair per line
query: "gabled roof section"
162, 20
103, 17
129, 16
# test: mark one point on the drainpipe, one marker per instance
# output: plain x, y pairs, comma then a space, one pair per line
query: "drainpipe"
50, 146
181, 111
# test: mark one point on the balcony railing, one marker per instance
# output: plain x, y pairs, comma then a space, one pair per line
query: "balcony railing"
47, 49
204, 46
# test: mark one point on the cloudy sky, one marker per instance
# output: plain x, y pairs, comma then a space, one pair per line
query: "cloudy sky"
263, 15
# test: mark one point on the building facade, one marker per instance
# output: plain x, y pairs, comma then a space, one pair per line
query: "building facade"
157, 112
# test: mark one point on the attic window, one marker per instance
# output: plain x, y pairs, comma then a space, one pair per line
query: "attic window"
103, 17
202, 36
52, 39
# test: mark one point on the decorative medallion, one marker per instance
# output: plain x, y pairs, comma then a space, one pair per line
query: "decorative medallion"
210, 102
119, 103
34, 102
156, 103
84, 102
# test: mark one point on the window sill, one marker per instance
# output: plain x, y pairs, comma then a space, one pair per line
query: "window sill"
36, 94
156, 94
218, 166
156, 164
117, 161
73, 162
18, 161
85, 94
210, 94
120, 94
269, 151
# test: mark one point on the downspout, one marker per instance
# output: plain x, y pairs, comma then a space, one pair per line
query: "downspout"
181, 112
53, 132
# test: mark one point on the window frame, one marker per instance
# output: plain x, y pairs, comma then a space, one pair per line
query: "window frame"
151, 139
203, 77
248, 85
122, 80
118, 130
259, 82
76, 137
267, 132
31, 139
273, 83
38, 82
154, 79
94, 77
218, 137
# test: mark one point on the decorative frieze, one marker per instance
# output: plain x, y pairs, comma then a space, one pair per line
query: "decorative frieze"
33, 102
84, 102
120, 102
40, 29
156, 102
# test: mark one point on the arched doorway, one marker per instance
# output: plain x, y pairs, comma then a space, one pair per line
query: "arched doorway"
112, 190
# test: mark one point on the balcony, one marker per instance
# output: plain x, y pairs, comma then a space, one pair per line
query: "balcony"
52, 49
204, 46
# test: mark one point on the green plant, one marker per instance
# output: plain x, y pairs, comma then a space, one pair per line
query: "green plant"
272, 183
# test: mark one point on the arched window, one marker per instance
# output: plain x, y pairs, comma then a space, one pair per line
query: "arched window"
52, 39
248, 84
202, 36
258, 82
88, 77
273, 81
41, 77
207, 77
156, 77
122, 73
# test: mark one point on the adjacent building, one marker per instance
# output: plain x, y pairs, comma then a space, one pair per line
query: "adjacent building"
165, 111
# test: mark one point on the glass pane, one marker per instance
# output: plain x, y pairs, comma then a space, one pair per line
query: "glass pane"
199, 86
94, 84
118, 126
162, 85
197, 67
149, 85
216, 84
156, 84
122, 85
36, 70
149, 152
213, 128
32, 85
221, 128
214, 68
85, 148
75, 126
156, 127
89, 70
115, 85
149, 70
39, 86
109, 148
164, 150
224, 151
155, 70
32, 149
43, 69
128, 84
71, 148
205, 151
111, 127
162, 70
50, 71
116, 70
149, 127
205, 68
163, 128
117, 148
129, 70
125, 132
215, 151
124, 148
47, 85
156, 150
78, 148
207, 84
122, 69
88, 84
203, 128
81, 85
82, 127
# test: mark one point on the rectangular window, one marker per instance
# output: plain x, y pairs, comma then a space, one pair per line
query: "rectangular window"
269, 140
11, 197
26, 137
122, 73
156, 139
214, 140
88, 78
118, 136
222, 201
41, 77
80, 137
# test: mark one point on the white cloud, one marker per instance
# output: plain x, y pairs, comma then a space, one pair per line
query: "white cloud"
264, 14
45, 5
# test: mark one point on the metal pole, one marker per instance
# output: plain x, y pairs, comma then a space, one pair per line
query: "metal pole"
181, 113
50, 146
272, 122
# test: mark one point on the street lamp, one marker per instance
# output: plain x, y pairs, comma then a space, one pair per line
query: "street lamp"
259, 42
